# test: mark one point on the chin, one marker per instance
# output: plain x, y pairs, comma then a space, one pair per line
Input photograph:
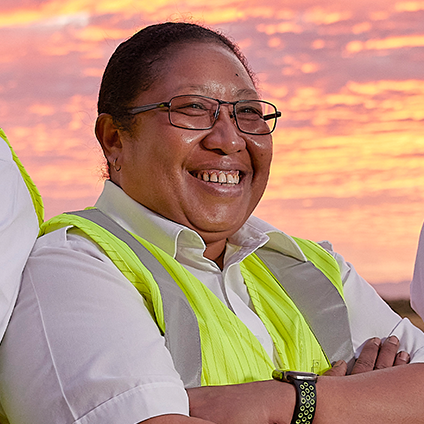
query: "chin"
220, 228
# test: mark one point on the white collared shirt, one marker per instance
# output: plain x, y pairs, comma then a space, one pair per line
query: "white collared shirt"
417, 283
91, 351
18, 232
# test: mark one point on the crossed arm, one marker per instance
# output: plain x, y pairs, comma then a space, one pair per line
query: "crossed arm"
392, 393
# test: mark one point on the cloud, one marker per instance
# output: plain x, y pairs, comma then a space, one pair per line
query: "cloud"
349, 155
387, 43
409, 6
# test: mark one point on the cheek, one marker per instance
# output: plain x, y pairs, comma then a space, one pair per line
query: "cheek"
261, 157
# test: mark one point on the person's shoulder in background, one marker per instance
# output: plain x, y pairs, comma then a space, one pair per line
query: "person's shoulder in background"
21, 213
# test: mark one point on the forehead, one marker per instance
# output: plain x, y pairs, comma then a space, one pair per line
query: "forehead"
204, 68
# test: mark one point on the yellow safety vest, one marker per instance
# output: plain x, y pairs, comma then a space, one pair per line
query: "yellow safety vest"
229, 352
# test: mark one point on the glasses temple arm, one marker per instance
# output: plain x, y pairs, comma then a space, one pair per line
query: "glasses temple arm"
145, 108
272, 115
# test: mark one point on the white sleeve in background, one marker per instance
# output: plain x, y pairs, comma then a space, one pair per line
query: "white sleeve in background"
417, 284
81, 346
18, 231
370, 316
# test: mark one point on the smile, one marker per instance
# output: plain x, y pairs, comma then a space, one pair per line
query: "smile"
220, 177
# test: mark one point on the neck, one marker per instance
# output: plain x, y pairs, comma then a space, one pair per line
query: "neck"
215, 252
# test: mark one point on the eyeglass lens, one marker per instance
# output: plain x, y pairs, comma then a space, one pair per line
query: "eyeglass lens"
196, 112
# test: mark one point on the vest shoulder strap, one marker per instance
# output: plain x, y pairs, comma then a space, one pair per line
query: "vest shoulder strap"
321, 303
175, 303
323, 260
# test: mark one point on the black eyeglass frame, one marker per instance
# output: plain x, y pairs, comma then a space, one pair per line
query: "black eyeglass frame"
160, 105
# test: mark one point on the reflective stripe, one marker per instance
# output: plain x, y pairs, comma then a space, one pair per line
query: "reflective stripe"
319, 302
175, 304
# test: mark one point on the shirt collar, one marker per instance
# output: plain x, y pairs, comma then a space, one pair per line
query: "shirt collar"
169, 235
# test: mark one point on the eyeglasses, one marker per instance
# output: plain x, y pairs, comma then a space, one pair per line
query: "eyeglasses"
192, 112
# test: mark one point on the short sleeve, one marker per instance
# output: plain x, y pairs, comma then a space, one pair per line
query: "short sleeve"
81, 346
370, 316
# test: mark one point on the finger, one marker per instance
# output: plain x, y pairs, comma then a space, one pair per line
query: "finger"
387, 355
402, 358
339, 369
367, 357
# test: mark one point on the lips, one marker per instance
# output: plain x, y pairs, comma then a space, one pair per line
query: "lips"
218, 176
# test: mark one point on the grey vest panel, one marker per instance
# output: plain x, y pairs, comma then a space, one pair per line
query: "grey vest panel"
182, 336
314, 295
317, 299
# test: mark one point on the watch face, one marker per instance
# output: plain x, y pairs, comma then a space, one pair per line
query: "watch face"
302, 376
290, 376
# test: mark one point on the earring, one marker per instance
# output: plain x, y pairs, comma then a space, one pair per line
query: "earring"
114, 165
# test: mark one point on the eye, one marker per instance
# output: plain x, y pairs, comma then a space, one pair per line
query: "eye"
192, 108
249, 110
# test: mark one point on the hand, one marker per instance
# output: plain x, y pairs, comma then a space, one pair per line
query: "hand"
374, 356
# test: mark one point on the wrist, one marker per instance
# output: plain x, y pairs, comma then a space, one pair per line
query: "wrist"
306, 399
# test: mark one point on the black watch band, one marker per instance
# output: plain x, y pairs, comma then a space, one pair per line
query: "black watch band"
306, 395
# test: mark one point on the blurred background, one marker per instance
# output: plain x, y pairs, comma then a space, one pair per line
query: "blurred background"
347, 76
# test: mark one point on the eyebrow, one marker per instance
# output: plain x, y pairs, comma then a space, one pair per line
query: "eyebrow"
239, 93
247, 92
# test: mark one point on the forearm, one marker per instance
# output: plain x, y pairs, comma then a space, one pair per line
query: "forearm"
391, 395
381, 390
261, 402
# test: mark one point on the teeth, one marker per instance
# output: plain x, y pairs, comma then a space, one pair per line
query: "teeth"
220, 177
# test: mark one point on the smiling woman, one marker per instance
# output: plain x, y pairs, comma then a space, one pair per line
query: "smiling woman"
128, 310
175, 157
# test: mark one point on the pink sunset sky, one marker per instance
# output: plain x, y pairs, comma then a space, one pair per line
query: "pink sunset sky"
348, 77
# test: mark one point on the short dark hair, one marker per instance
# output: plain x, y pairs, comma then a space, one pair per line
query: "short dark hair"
133, 68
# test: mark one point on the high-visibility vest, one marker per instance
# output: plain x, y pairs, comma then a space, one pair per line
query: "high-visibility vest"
33, 191
300, 303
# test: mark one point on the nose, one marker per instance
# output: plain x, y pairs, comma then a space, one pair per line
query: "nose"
224, 137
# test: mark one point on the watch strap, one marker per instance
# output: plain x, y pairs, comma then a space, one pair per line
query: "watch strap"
304, 410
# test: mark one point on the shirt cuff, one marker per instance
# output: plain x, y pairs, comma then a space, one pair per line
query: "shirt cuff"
139, 404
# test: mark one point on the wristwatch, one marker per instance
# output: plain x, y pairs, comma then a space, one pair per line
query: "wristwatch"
306, 394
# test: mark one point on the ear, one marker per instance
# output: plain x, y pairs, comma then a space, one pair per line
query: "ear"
109, 136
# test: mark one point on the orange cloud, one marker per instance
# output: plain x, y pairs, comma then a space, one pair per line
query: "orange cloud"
318, 44
361, 27
387, 43
309, 68
82, 110
409, 6
377, 87
95, 34
321, 16
282, 27
79, 11
42, 110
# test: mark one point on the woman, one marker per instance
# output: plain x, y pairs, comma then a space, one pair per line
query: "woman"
188, 143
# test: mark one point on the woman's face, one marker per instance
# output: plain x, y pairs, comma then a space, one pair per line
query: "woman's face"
161, 164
